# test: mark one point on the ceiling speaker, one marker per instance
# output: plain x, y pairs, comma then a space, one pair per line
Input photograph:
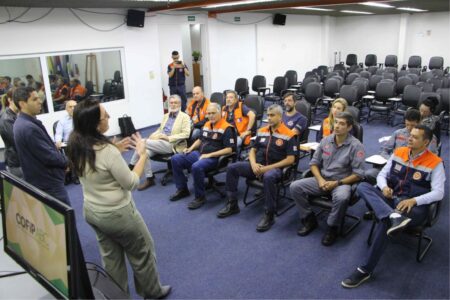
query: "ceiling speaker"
279, 19
135, 18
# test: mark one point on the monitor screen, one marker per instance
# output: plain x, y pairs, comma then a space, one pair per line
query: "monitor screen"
37, 234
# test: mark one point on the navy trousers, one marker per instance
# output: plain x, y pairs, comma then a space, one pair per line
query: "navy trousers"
179, 90
198, 169
244, 169
382, 208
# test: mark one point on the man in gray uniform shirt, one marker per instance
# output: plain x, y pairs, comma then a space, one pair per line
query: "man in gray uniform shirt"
336, 165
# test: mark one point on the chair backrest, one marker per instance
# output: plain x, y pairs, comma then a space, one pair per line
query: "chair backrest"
358, 131
307, 81
107, 88
120, 93
218, 98
362, 84
255, 103
349, 93
279, 85
445, 99
54, 128
117, 77
339, 67
351, 77
388, 75
424, 95
414, 71
445, 82
371, 60
331, 87
258, 81
414, 77
313, 91
365, 74
391, 61
291, 76
426, 86
372, 69
354, 69
414, 61
436, 62
241, 87
373, 81
411, 96
437, 83
384, 90
304, 108
425, 76
352, 59
402, 82
356, 114
392, 70
89, 88
323, 69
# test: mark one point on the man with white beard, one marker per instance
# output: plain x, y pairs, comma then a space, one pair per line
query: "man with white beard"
170, 137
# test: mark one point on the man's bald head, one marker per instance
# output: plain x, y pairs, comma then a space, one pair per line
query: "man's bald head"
70, 105
197, 93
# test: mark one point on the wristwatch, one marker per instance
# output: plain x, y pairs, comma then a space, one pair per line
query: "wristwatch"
340, 182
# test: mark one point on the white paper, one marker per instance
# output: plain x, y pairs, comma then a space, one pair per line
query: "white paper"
315, 127
376, 159
384, 139
311, 145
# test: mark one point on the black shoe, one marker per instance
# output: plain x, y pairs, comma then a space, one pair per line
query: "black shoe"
197, 203
266, 222
368, 215
397, 225
180, 194
149, 181
330, 236
231, 208
355, 279
75, 180
131, 167
165, 291
309, 224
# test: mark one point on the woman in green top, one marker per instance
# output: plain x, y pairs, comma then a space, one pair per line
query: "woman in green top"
108, 205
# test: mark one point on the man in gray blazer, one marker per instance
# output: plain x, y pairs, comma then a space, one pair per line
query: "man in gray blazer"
170, 137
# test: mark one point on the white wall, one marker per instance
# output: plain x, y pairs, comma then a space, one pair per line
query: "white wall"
364, 35
427, 35
141, 56
295, 46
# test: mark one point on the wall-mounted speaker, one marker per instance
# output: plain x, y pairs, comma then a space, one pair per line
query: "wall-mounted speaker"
279, 19
135, 18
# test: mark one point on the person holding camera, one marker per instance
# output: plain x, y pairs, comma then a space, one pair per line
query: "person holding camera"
178, 71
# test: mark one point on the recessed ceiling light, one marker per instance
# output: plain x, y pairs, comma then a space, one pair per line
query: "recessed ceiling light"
376, 4
313, 8
238, 3
356, 12
412, 9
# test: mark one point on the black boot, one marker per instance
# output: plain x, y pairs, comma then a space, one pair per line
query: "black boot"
330, 236
231, 208
266, 222
308, 224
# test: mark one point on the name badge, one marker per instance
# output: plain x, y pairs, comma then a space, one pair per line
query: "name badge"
397, 167
263, 140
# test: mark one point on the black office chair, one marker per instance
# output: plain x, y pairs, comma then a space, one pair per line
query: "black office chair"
313, 95
402, 82
351, 77
356, 114
436, 62
426, 86
308, 80
241, 87
350, 94
444, 113
418, 231
391, 61
331, 89
371, 60
89, 89
279, 88
425, 76
218, 98
292, 81
373, 81
362, 84
381, 105
259, 85
415, 64
436, 82
255, 103
304, 108
365, 74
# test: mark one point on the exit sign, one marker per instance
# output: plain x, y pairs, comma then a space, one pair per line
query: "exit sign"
191, 18
237, 19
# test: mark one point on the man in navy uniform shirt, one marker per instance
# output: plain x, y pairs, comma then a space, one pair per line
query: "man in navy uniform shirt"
177, 72
42, 164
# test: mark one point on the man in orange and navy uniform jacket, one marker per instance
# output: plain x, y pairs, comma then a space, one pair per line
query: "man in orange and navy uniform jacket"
275, 147
197, 111
240, 116
217, 138
411, 180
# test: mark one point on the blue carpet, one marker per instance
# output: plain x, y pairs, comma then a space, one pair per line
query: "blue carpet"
204, 257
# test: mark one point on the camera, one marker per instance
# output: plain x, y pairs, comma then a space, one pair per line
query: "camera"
178, 62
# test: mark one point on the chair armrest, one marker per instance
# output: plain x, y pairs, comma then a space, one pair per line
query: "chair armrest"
433, 213
307, 174
224, 160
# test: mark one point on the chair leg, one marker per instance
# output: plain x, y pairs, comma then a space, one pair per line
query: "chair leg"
351, 227
247, 203
286, 207
421, 253
214, 185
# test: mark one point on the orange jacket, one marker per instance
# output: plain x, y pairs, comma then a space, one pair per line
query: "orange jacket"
199, 113
240, 121
77, 91
326, 127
